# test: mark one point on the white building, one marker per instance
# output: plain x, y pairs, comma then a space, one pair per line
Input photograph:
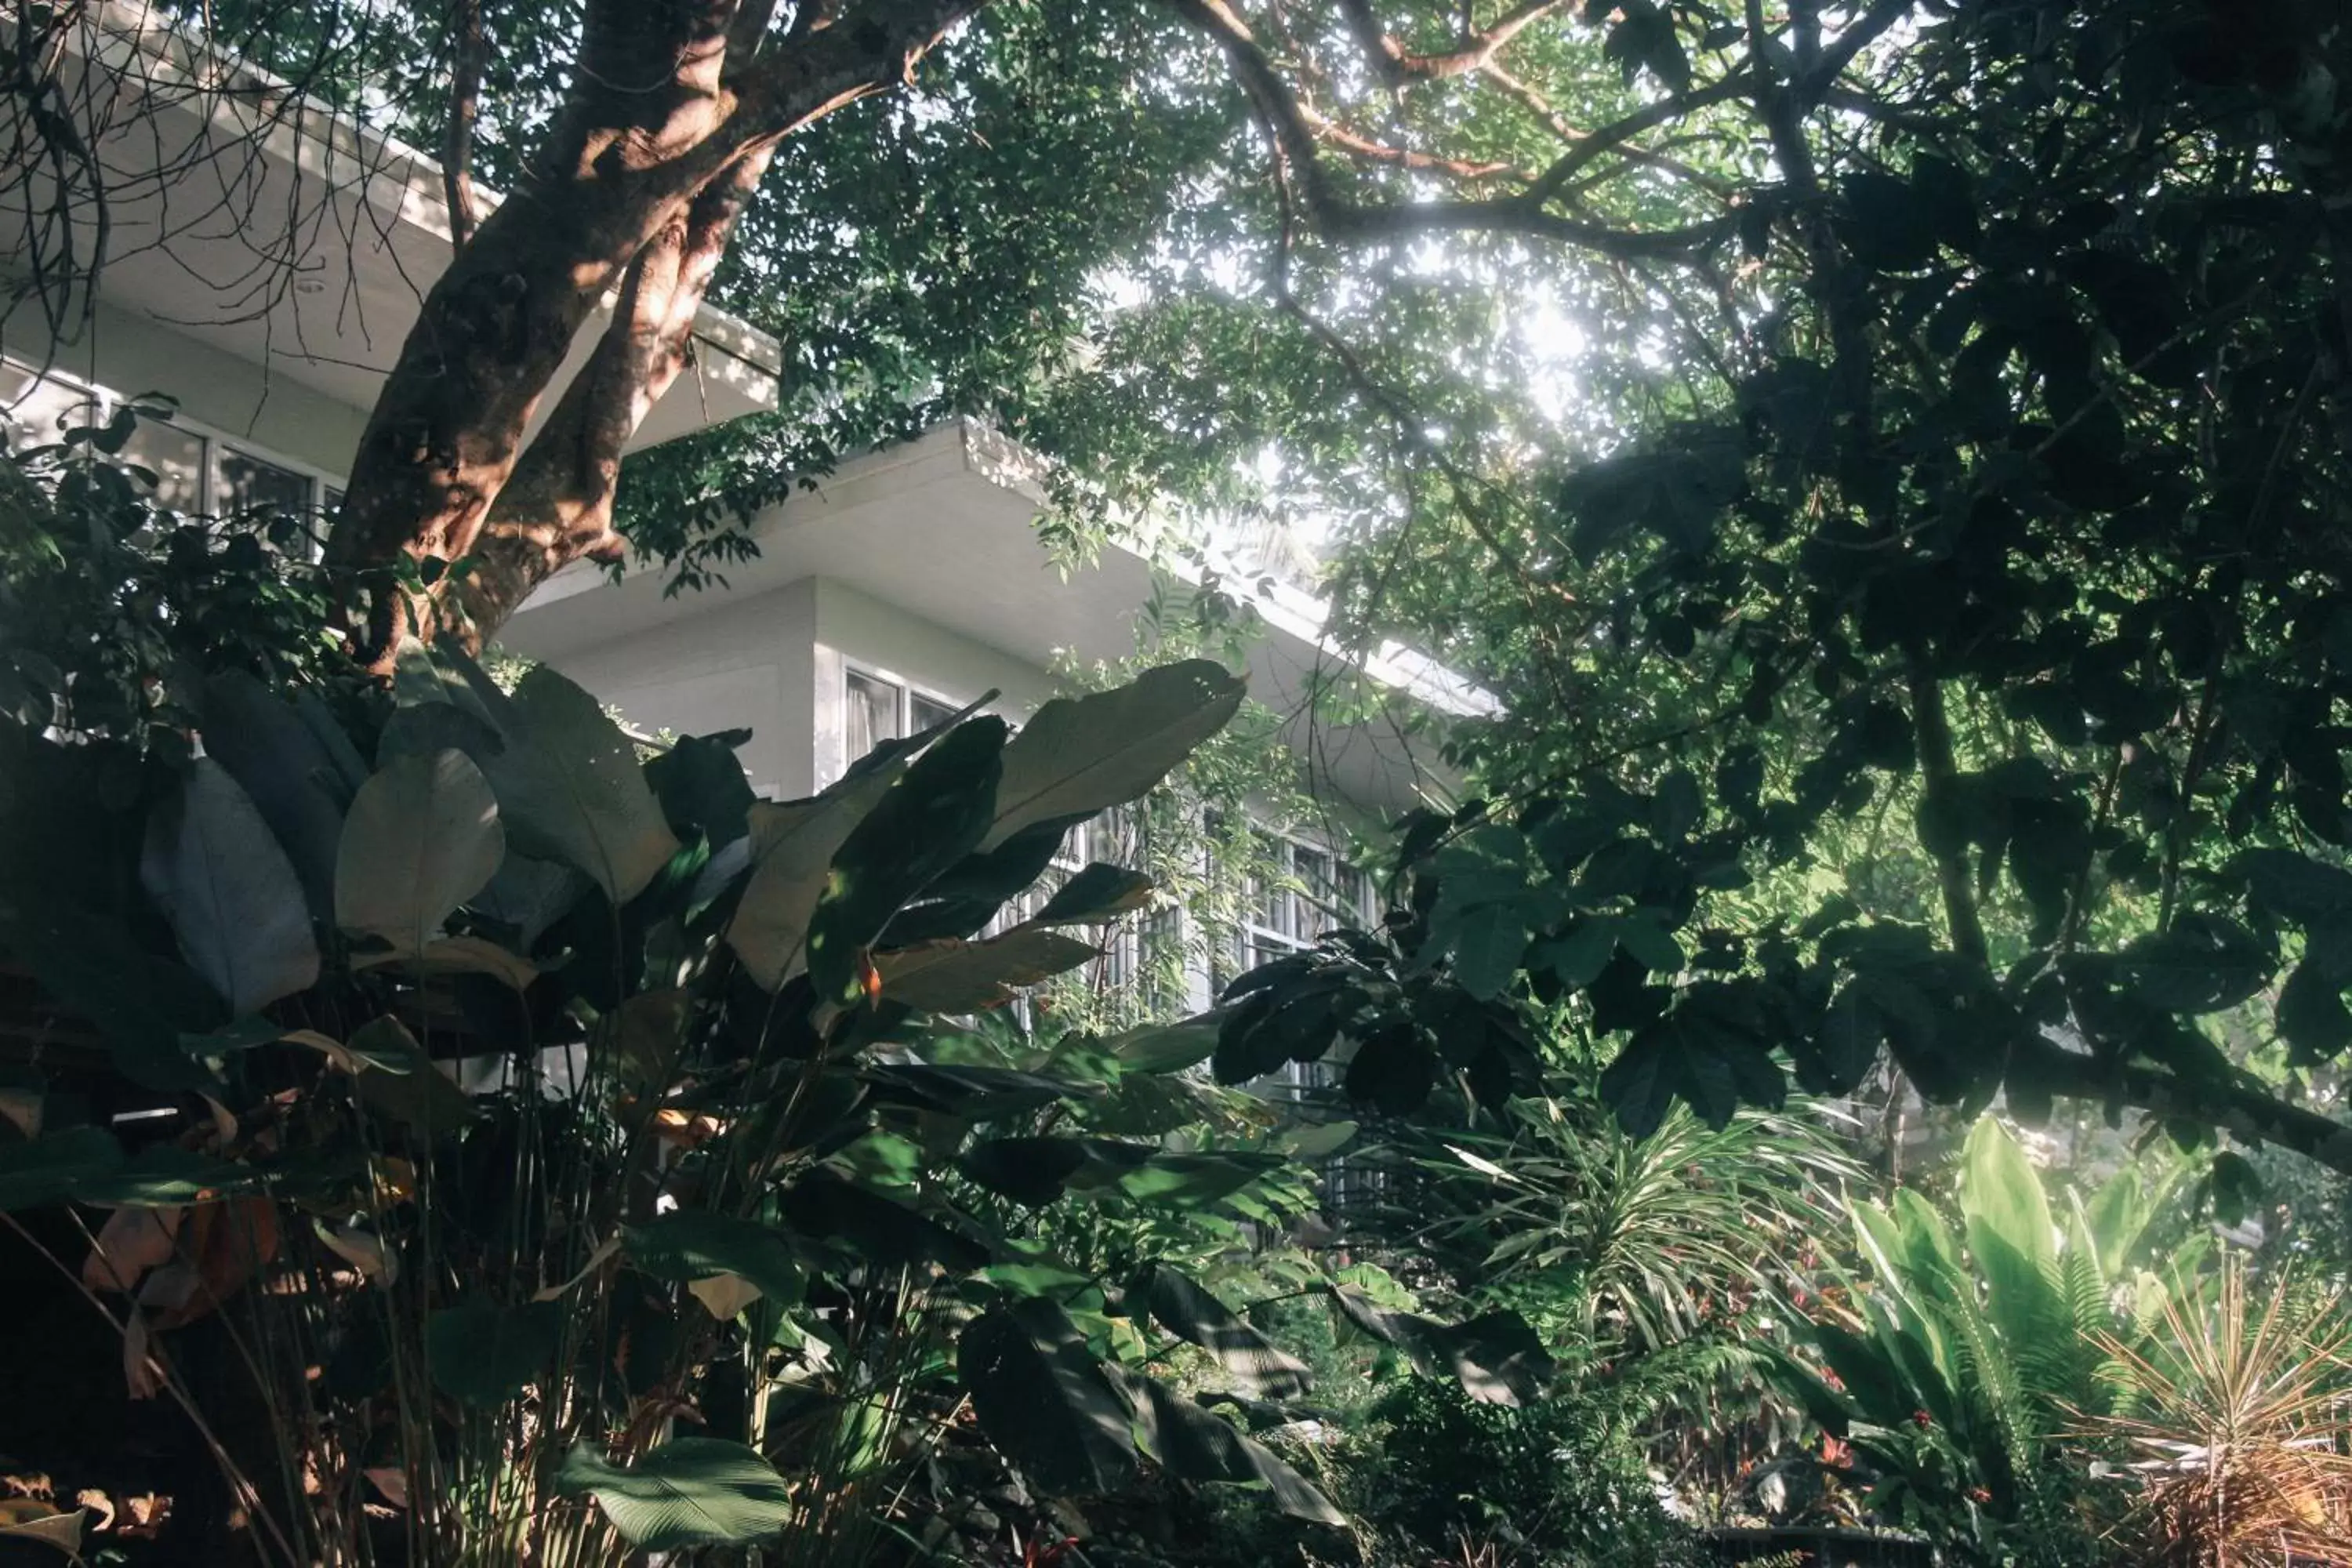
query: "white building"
266, 293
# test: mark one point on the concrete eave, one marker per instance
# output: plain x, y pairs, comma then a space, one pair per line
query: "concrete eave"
311, 258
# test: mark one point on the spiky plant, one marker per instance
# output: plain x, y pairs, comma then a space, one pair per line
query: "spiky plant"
2238, 1414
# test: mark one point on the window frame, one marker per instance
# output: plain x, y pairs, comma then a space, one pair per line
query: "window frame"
216, 442
907, 691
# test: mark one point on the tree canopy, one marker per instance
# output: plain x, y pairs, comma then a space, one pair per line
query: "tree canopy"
1888, 458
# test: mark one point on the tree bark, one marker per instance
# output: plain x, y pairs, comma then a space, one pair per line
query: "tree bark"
674, 109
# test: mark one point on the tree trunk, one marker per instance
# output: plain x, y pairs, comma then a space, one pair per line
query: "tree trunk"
674, 109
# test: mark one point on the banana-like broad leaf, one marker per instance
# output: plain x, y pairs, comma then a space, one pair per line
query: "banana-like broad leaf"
690, 1491
568, 783
293, 776
687, 1244
402, 1083
1264, 1369
484, 1354
973, 1093
217, 871
2012, 1234
953, 976
793, 847
55, 1166
422, 835
1042, 1399
876, 1229
1496, 1357
1036, 1171
1199, 1446
925, 823
1100, 892
1081, 755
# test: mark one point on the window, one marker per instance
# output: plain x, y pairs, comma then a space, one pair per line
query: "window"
876, 709
1302, 892
196, 471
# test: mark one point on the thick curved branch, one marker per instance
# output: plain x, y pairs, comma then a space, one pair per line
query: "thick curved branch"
1398, 66
466, 50
650, 122
1338, 218
557, 508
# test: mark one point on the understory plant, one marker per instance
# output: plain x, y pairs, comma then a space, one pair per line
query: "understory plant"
2234, 1421
502, 1150
1948, 1373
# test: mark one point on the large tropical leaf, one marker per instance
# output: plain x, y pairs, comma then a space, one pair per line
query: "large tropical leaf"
793, 847
1263, 1369
929, 818
422, 835
2011, 1236
949, 976
690, 1491
568, 783
217, 873
287, 765
484, 1354
1042, 1399
689, 1245
1081, 755
1199, 1446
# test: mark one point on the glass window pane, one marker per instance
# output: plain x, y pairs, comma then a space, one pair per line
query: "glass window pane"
1315, 892
176, 459
248, 483
924, 712
871, 715
37, 412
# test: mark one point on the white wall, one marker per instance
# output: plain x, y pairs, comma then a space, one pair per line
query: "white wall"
129, 356
742, 663
855, 628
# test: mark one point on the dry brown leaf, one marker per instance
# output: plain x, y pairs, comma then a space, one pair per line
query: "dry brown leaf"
129, 1244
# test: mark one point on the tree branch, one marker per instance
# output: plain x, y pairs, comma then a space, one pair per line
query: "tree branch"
1342, 220
1399, 67
466, 50
650, 120
557, 508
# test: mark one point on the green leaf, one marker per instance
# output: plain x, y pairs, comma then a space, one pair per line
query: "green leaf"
484, 1354
876, 1229
1165, 1047
1043, 1400
2010, 1234
1198, 1446
572, 790
1852, 1032
2312, 1015
55, 1166
690, 1491
1489, 941
1262, 1369
951, 976
213, 867
1639, 1084
700, 785
2204, 964
1496, 1358
141, 1005
422, 836
1100, 892
793, 847
1079, 756
567, 784
686, 1245
2296, 888
294, 778
928, 820
405, 1085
